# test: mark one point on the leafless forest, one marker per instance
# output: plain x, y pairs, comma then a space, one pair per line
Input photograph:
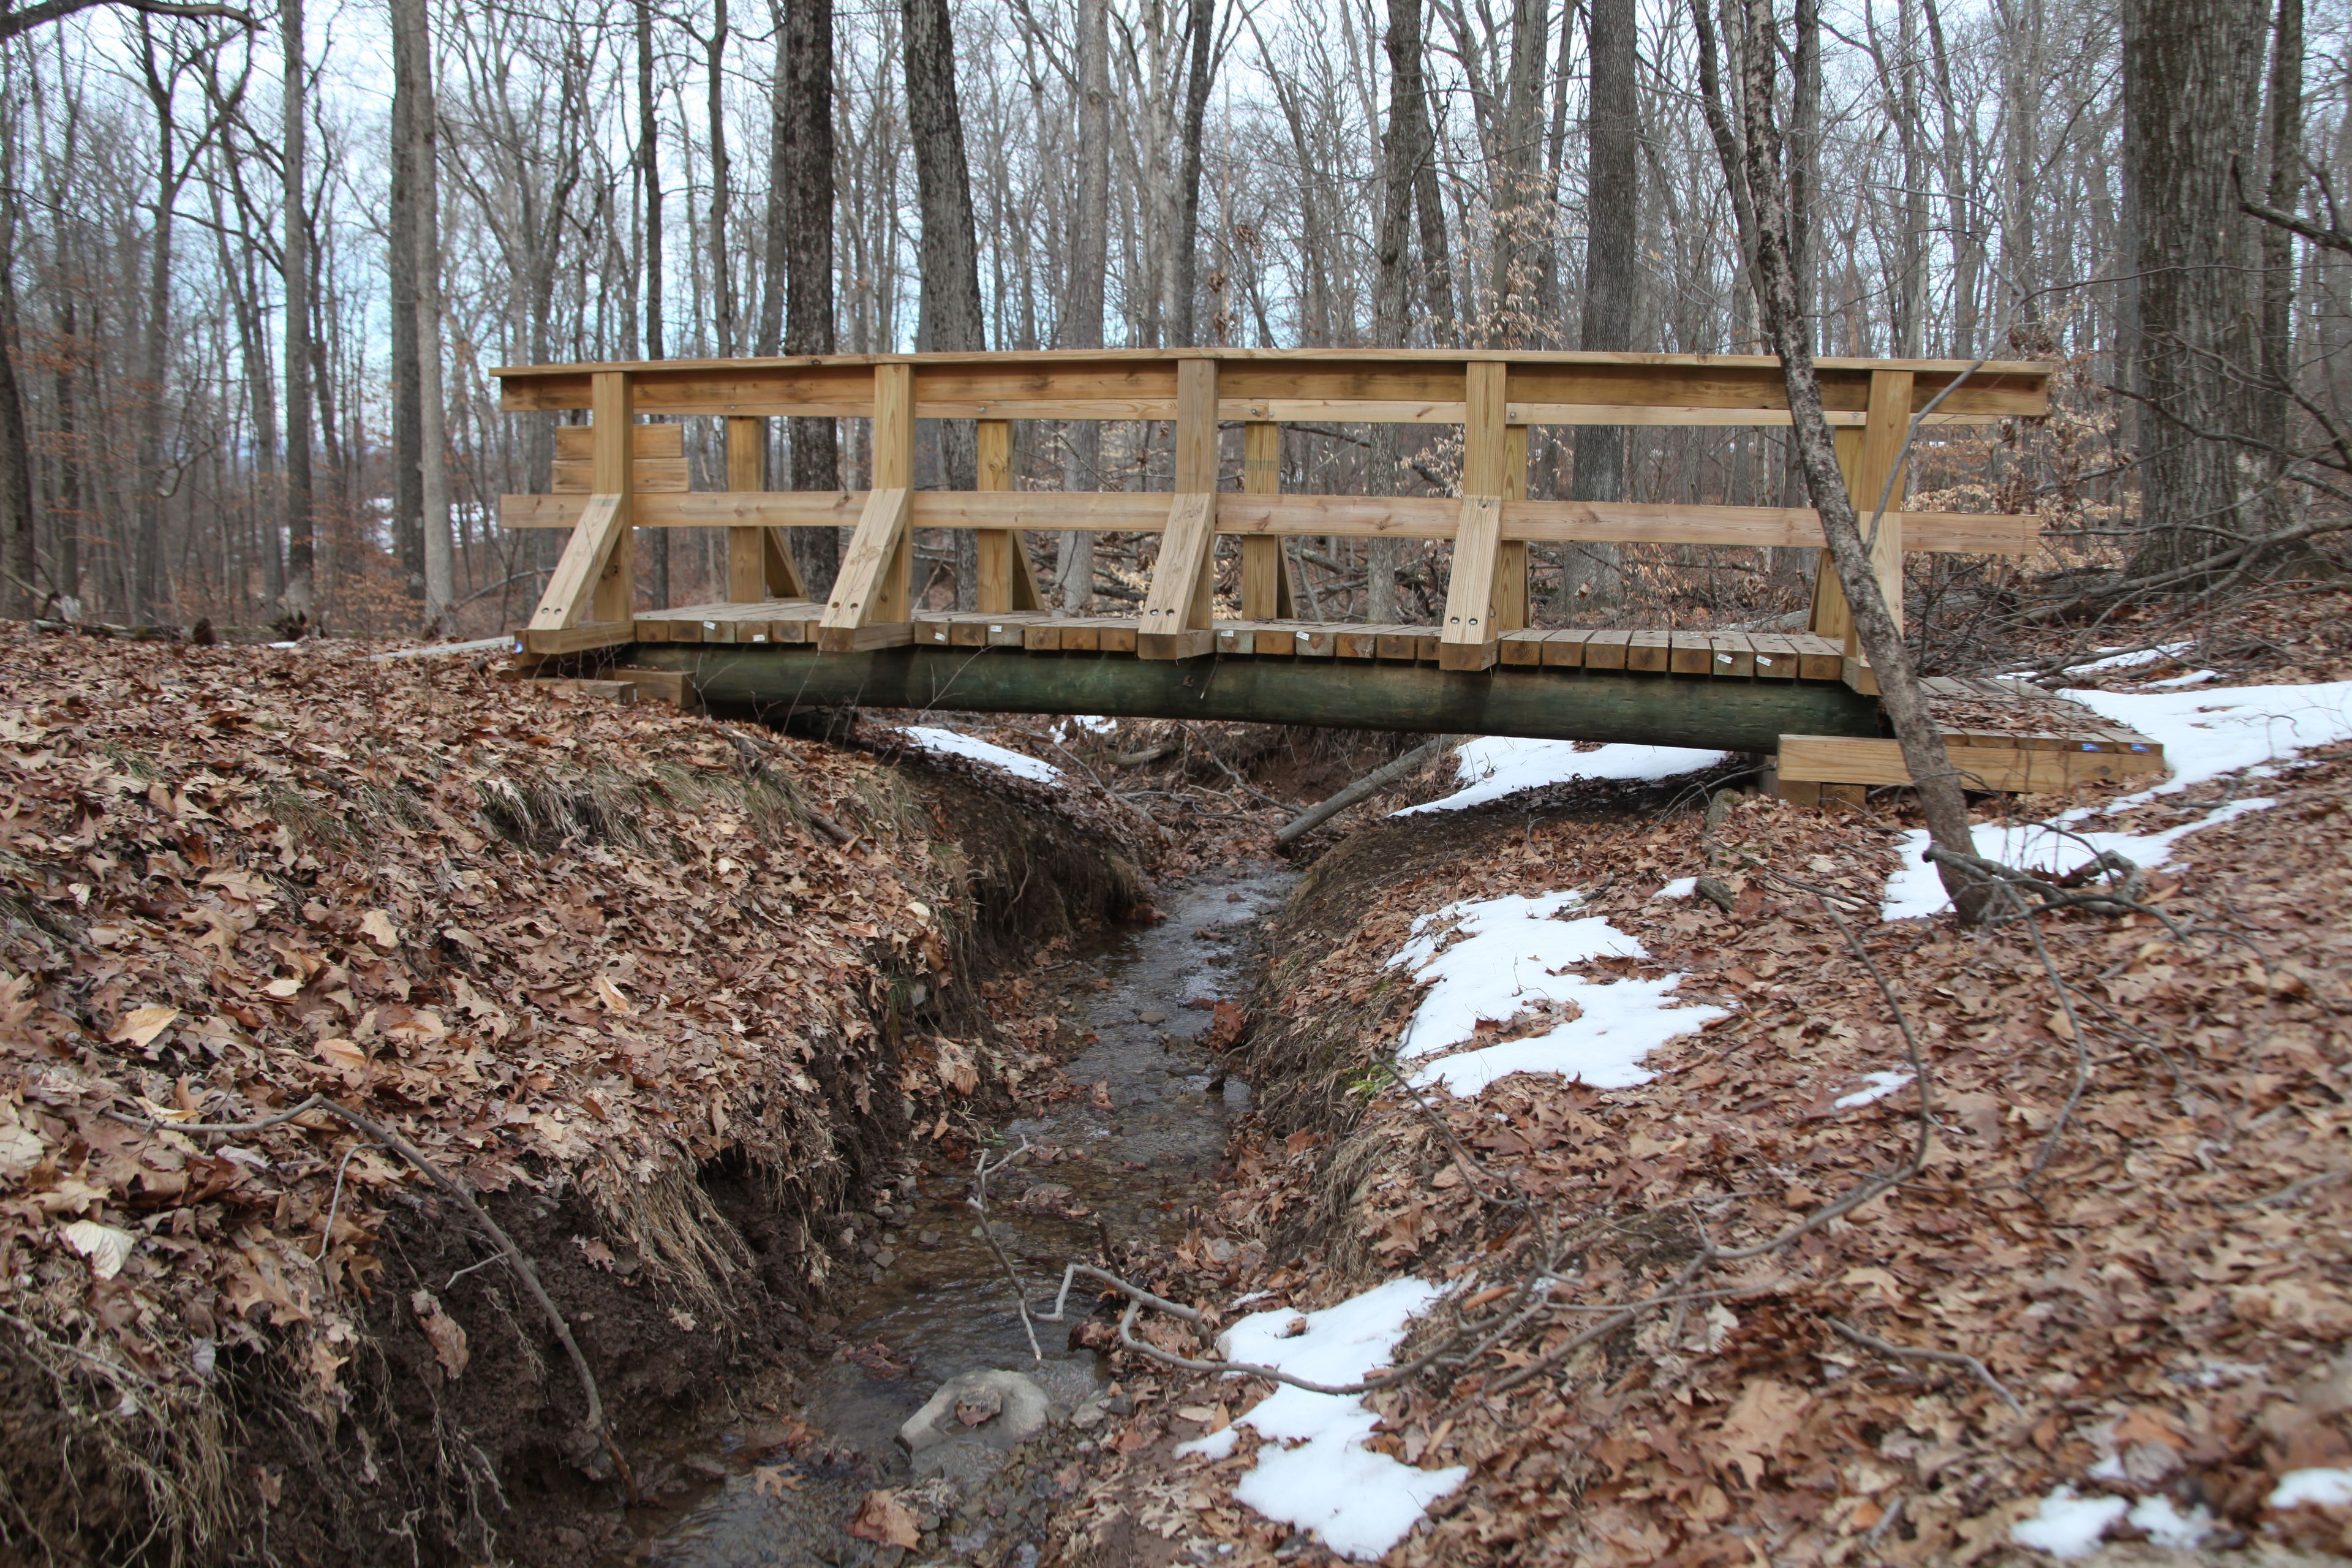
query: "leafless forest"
254, 265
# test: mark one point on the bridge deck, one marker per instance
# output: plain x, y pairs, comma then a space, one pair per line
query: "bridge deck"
1791, 695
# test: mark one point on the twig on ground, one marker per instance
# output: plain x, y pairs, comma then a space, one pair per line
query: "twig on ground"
1947, 1358
978, 1203
1202, 736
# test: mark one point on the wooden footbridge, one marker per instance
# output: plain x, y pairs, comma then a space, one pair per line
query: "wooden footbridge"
1806, 697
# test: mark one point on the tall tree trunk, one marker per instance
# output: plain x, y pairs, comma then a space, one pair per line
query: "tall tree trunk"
949, 253
1082, 322
1967, 244
2274, 399
1612, 184
1518, 212
1614, 195
655, 544
2187, 114
1403, 151
20, 593
65, 518
301, 553
800, 235
432, 440
1754, 165
147, 589
723, 277
1910, 333
407, 398
1197, 81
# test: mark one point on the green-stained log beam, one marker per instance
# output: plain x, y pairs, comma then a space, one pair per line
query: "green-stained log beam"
1562, 705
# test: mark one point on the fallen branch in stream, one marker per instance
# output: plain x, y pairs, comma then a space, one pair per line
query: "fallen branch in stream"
1370, 785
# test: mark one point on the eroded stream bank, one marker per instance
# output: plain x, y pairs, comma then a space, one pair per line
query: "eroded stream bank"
1129, 1157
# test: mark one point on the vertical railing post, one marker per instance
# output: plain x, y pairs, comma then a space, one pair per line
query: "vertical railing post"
1831, 617
1511, 564
759, 563
1008, 582
1884, 429
1180, 605
612, 400
1467, 640
1265, 574
870, 606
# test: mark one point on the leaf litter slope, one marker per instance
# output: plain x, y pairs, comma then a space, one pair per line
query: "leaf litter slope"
558, 946
2121, 1268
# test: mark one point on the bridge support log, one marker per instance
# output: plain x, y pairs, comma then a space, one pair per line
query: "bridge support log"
1591, 705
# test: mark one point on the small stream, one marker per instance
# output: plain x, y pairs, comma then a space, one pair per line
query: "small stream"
1128, 1158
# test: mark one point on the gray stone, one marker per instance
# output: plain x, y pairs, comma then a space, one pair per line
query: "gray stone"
943, 1439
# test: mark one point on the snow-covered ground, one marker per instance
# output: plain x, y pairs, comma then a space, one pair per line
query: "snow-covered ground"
2248, 731
1494, 959
1494, 766
954, 744
1314, 1471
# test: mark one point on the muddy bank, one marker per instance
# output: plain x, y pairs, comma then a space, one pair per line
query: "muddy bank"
498, 1454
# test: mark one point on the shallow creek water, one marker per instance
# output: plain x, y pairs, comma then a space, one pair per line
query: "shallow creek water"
941, 1305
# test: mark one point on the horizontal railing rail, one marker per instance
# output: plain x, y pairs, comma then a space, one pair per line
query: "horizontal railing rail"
1295, 516
1293, 385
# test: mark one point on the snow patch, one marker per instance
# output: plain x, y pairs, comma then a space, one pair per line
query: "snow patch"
1094, 723
2166, 1525
2208, 733
954, 744
1494, 766
2250, 730
2067, 1525
1882, 1084
2131, 660
1215, 1445
1680, 887
2194, 678
1360, 1500
2053, 847
1510, 954
2321, 1488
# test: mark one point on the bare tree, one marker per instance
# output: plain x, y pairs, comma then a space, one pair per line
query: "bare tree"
412, 35
1082, 318
2191, 68
1760, 170
295, 257
800, 235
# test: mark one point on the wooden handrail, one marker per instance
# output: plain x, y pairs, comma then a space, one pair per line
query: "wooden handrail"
1357, 385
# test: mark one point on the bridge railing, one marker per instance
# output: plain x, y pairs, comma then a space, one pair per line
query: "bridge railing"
615, 475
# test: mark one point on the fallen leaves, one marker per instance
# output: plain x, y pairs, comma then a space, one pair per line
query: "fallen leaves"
2157, 1269
884, 1520
139, 1025
446, 1334
106, 1246
409, 885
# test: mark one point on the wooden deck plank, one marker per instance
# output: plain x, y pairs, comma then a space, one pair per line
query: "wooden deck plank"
1693, 653
1565, 649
